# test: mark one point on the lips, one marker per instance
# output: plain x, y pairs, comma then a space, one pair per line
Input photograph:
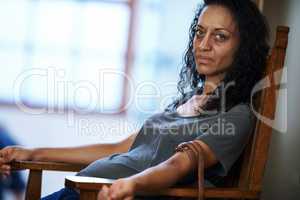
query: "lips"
204, 60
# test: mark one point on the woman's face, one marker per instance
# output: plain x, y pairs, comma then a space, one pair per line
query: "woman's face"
215, 42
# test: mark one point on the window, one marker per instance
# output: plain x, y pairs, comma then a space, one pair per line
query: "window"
163, 30
54, 52
72, 53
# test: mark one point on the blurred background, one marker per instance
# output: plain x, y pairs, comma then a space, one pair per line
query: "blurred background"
85, 71
58, 54
77, 72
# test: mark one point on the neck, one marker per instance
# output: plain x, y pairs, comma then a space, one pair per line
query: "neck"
211, 83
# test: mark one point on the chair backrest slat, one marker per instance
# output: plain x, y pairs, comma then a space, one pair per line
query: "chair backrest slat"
256, 153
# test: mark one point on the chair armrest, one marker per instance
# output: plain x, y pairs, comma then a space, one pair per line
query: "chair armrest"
89, 183
90, 186
52, 166
33, 190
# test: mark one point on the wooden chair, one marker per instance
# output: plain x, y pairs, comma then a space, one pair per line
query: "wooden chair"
245, 179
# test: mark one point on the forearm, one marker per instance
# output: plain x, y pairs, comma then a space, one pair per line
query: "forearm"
83, 154
189, 156
163, 175
80, 155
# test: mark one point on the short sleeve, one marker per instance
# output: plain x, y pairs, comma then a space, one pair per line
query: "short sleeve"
227, 136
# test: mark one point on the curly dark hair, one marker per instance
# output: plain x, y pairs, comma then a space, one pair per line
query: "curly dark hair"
249, 61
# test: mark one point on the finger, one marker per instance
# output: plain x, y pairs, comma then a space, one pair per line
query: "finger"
4, 168
7, 173
118, 194
102, 195
4, 157
111, 193
121, 193
114, 191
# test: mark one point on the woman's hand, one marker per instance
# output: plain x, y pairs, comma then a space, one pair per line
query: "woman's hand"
11, 153
121, 189
193, 106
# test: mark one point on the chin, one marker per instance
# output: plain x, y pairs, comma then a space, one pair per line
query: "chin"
206, 70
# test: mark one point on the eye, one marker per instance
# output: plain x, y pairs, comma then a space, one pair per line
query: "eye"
220, 37
200, 33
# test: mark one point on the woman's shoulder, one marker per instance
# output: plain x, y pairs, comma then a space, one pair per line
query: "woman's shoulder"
241, 112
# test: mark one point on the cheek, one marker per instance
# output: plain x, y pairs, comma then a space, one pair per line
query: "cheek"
224, 57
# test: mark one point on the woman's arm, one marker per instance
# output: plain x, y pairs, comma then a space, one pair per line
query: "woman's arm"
161, 176
172, 170
154, 178
81, 155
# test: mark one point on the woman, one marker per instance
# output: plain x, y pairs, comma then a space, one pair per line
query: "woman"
224, 60
227, 49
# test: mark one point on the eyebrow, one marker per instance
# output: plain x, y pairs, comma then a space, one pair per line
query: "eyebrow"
217, 29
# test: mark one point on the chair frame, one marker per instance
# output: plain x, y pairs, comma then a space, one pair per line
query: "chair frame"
246, 182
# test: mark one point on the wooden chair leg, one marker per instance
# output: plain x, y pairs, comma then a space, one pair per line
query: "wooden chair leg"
88, 195
33, 191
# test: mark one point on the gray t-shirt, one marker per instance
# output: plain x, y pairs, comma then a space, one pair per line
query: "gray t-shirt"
225, 133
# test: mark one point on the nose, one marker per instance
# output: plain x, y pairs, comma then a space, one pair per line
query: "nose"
205, 43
